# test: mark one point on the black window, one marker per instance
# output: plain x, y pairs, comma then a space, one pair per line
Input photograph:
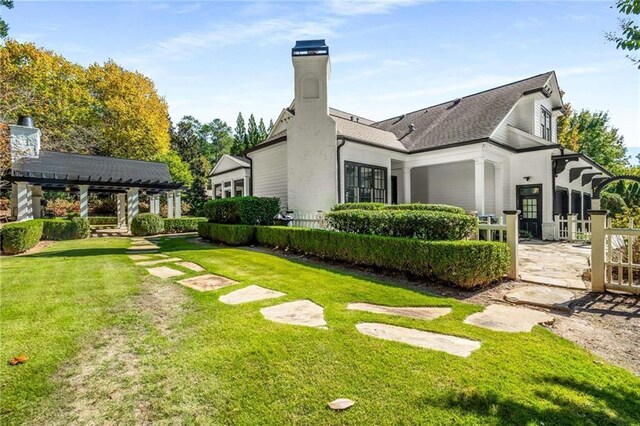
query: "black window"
545, 124
363, 183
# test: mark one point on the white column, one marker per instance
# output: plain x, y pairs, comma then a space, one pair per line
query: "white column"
14, 199
25, 207
406, 183
224, 187
178, 202
498, 178
122, 210
246, 192
152, 204
233, 188
598, 223
84, 200
512, 240
170, 204
479, 185
36, 196
132, 205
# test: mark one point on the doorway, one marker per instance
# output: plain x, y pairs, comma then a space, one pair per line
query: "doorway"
394, 189
530, 206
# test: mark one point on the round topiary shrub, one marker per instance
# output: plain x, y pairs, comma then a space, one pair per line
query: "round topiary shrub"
147, 224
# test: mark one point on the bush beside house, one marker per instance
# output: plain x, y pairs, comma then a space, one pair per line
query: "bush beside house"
242, 210
20, 237
413, 206
147, 224
233, 235
183, 224
65, 229
103, 220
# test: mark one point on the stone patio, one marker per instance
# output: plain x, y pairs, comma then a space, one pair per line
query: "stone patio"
511, 319
553, 263
543, 296
252, 293
207, 282
423, 339
164, 272
426, 313
300, 312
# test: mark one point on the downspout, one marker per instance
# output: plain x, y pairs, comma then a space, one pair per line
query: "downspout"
250, 173
340, 145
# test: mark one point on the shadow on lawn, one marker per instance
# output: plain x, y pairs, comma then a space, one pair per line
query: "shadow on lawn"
613, 406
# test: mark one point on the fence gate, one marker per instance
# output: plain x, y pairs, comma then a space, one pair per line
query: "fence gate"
570, 228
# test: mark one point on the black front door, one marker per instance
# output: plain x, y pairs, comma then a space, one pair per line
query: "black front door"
530, 206
394, 189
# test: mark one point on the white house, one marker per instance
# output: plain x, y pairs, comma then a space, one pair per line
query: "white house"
487, 152
230, 177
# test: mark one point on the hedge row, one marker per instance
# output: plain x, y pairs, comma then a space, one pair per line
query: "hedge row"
19, 237
147, 224
414, 206
424, 225
183, 224
463, 263
242, 210
63, 229
103, 220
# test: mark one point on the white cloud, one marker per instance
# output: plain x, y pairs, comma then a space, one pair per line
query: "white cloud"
366, 7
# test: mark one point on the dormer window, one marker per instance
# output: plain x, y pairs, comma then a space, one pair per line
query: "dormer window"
545, 124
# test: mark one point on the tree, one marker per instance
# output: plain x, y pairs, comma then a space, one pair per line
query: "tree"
4, 27
187, 139
217, 139
628, 35
270, 126
197, 192
253, 133
178, 169
239, 136
591, 134
134, 120
262, 130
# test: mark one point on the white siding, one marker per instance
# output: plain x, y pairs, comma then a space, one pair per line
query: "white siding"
538, 104
445, 184
520, 117
270, 172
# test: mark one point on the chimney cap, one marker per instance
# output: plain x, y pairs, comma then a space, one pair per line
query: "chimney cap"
310, 48
25, 121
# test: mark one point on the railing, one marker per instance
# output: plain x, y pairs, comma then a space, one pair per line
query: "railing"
571, 229
493, 231
615, 256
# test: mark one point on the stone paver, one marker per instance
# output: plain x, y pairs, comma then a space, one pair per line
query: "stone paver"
251, 293
207, 282
144, 248
537, 295
423, 339
512, 319
159, 261
425, 313
146, 251
140, 242
190, 265
300, 312
140, 256
161, 255
340, 404
164, 272
557, 264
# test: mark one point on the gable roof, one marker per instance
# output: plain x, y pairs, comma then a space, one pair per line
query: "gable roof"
359, 132
470, 118
235, 162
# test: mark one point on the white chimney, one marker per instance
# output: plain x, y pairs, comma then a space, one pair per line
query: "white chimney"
24, 139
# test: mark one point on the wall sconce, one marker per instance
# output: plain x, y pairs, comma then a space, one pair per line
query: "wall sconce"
527, 178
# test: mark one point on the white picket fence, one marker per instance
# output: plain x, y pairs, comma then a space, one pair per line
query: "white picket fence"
493, 231
313, 220
570, 228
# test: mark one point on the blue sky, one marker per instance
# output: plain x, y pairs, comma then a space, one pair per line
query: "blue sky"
213, 59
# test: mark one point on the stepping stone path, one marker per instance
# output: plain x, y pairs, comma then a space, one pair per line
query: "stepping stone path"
164, 272
161, 255
508, 318
190, 265
410, 312
423, 339
144, 248
207, 282
300, 312
140, 256
546, 297
252, 293
158, 261
340, 404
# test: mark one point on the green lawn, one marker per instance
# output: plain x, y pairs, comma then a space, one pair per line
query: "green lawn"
106, 341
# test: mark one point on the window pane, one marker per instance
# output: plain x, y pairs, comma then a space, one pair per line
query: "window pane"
365, 183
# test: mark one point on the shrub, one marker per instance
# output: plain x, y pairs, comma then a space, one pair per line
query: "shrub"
103, 220
65, 229
612, 202
61, 207
147, 224
242, 210
414, 206
19, 237
234, 235
463, 263
184, 224
425, 225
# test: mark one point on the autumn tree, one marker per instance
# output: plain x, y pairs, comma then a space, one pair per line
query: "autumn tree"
134, 120
628, 35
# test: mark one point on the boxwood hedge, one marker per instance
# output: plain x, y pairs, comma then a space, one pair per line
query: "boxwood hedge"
183, 224
413, 206
21, 236
147, 224
425, 225
242, 210
65, 229
103, 220
233, 235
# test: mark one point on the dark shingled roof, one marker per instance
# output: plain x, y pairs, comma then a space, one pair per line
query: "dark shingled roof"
91, 168
473, 117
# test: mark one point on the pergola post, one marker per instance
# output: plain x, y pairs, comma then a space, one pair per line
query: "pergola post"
36, 199
132, 205
122, 210
170, 204
84, 200
24, 202
152, 204
178, 207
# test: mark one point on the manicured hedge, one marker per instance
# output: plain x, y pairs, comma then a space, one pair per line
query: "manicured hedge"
242, 210
463, 263
65, 229
103, 220
425, 225
413, 206
19, 237
147, 224
234, 235
183, 224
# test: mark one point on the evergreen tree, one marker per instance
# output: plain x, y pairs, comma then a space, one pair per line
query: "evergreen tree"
270, 126
262, 130
186, 138
217, 140
239, 136
197, 192
253, 133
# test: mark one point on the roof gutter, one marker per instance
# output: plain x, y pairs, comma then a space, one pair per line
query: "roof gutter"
340, 145
250, 189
